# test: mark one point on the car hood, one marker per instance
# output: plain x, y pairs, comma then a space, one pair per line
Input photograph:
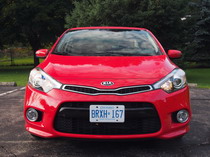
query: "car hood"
148, 69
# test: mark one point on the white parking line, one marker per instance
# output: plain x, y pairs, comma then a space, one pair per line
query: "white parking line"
22, 142
12, 91
23, 88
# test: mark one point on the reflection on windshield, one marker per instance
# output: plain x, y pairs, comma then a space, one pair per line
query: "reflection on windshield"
102, 42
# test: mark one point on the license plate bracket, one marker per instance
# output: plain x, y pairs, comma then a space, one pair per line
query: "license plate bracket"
107, 113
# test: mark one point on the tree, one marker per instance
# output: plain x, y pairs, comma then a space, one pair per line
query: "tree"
35, 22
201, 49
162, 17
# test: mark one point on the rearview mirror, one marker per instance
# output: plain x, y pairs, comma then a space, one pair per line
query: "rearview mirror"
42, 53
174, 53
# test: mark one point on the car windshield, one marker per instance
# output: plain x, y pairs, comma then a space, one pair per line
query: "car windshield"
106, 42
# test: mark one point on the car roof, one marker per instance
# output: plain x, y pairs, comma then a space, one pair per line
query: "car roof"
107, 27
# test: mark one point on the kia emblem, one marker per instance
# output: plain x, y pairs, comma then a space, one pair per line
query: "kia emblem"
107, 83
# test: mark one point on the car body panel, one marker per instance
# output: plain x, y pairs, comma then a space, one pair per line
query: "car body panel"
147, 69
163, 102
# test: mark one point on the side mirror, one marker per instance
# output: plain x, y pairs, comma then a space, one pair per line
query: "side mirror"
42, 53
174, 53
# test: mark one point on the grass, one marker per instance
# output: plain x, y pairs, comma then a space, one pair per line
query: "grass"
199, 76
17, 61
18, 74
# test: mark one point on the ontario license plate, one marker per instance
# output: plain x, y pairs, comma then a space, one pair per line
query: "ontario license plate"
107, 113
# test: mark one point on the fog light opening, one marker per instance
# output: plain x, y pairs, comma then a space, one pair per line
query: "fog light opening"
182, 116
32, 115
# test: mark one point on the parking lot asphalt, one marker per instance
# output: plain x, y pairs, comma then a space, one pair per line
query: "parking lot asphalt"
15, 141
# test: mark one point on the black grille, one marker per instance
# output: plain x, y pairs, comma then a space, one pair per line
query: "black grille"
118, 91
140, 118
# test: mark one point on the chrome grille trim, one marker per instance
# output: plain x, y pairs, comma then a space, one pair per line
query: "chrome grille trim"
107, 91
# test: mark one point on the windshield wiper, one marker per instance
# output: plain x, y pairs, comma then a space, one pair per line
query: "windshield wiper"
144, 54
114, 53
61, 53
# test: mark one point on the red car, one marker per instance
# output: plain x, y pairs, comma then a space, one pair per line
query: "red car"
107, 83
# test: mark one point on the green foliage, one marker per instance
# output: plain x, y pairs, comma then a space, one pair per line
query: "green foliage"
35, 22
201, 41
26, 18
161, 17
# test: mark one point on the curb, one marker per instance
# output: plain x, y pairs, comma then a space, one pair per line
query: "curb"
8, 84
192, 84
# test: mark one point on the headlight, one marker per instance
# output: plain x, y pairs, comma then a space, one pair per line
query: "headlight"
172, 82
38, 79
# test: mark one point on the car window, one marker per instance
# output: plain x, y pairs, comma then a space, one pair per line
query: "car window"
103, 42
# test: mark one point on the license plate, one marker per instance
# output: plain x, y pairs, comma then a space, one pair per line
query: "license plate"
107, 113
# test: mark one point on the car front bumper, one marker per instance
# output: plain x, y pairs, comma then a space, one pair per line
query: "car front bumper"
164, 103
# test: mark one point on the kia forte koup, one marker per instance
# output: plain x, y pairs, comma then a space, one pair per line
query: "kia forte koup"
107, 83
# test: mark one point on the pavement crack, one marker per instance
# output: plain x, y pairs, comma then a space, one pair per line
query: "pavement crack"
8, 152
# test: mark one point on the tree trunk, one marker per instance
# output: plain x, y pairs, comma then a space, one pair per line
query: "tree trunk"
36, 45
36, 60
